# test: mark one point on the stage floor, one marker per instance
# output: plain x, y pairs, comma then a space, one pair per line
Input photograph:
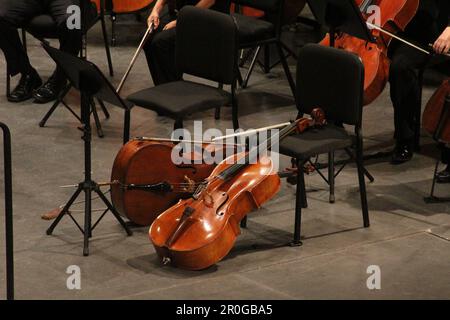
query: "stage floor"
408, 239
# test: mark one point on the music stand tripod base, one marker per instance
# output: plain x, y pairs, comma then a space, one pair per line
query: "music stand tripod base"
85, 77
88, 186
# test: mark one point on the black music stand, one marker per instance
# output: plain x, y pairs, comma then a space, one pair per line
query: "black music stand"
89, 80
341, 16
8, 213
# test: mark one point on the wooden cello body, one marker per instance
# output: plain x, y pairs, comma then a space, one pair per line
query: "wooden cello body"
195, 234
436, 120
127, 6
395, 16
146, 181
200, 231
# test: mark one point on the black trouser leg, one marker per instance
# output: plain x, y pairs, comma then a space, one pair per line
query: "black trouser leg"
446, 155
13, 15
331, 178
160, 53
70, 40
405, 89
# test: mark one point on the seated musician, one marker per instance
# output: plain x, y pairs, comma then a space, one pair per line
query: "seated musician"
430, 25
160, 48
15, 14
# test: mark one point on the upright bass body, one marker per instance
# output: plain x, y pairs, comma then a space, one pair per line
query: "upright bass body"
394, 17
147, 182
196, 233
436, 120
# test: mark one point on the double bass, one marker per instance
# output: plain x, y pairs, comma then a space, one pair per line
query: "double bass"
396, 15
436, 116
200, 231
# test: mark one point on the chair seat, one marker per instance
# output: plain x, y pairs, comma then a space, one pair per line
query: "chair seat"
180, 98
314, 142
253, 30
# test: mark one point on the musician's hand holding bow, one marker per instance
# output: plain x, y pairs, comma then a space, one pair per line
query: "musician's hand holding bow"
153, 19
442, 44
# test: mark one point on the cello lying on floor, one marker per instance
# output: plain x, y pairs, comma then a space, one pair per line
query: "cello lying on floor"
145, 181
200, 231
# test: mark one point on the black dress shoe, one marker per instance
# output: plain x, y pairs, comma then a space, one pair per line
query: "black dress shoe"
25, 87
443, 176
50, 90
402, 153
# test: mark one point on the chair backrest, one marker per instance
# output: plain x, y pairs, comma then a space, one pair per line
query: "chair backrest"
333, 80
264, 5
207, 44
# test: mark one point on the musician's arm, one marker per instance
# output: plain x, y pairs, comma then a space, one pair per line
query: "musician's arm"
442, 44
205, 4
156, 13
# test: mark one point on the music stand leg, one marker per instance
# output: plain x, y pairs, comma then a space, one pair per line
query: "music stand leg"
113, 210
88, 185
65, 210
49, 113
87, 220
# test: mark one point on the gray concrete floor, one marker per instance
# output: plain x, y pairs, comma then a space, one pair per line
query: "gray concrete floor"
408, 239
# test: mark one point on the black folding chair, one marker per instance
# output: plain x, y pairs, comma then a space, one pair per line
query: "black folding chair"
206, 47
257, 33
333, 80
44, 27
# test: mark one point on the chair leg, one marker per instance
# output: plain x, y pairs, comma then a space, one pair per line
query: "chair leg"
217, 113
362, 186
289, 50
235, 112
239, 78
97, 120
366, 172
178, 124
286, 69
8, 85
244, 222
24, 40
250, 69
299, 204
266, 66
105, 40
103, 107
331, 178
126, 126
113, 29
